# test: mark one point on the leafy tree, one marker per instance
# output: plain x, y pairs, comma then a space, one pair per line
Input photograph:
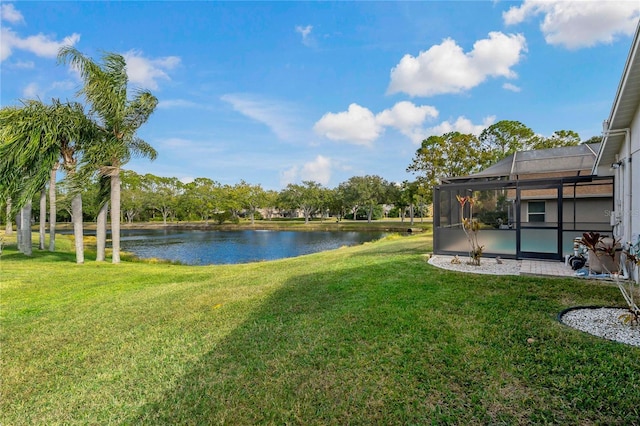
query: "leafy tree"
233, 200
350, 196
364, 191
408, 193
163, 194
270, 202
452, 154
503, 139
119, 117
203, 197
338, 204
560, 138
250, 197
133, 195
306, 197
325, 202
593, 139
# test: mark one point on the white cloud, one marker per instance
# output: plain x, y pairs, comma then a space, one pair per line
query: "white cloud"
63, 85
305, 32
32, 91
357, 125
35, 91
25, 65
196, 150
9, 13
576, 24
289, 176
6, 38
445, 68
511, 87
146, 72
177, 103
41, 45
407, 118
177, 143
275, 115
462, 125
318, 170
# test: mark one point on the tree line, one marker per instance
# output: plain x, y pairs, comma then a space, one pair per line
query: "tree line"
156, 198
90, 143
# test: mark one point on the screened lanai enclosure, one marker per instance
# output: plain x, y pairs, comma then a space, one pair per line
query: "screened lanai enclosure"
521, 216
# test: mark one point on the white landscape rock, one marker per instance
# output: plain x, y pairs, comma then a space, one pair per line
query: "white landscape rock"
487, 265
603, 322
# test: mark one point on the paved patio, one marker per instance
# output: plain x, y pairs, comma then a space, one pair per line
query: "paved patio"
549, 268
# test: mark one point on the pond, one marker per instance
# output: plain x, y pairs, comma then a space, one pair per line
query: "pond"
194, 247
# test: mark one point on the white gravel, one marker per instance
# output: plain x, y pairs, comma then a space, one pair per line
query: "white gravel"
487, 265
603, 322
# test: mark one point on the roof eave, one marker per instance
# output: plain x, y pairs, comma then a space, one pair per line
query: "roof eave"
620, 120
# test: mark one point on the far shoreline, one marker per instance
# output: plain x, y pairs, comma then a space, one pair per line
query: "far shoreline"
386, 225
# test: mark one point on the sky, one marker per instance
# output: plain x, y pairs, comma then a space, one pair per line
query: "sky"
274, 93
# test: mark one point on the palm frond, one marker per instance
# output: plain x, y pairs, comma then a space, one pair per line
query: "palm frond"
140, 148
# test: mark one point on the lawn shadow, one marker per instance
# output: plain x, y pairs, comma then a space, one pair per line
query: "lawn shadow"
11, 253
310, 354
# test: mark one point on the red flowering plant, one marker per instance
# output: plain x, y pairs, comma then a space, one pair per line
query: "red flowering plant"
471, 226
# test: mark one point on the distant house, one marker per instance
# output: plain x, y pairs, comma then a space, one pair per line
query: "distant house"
532, 204
619, 155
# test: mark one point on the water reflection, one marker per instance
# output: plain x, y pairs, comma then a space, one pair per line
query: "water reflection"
218, 247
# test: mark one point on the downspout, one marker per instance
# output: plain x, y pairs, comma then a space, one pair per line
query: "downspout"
627, 186
626, 196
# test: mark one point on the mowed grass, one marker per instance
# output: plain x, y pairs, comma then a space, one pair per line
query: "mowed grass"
363, 335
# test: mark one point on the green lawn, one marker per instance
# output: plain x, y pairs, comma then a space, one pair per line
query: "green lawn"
362, 335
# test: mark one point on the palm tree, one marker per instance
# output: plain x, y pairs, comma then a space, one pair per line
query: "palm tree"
105, 89
36, 139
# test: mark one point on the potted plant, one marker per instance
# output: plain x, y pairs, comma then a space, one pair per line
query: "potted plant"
603, 253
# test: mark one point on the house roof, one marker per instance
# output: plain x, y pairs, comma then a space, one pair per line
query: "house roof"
554, 160
623, 110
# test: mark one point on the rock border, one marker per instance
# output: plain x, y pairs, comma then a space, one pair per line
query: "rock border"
601, 321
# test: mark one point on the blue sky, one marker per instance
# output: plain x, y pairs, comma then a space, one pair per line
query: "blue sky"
281, 92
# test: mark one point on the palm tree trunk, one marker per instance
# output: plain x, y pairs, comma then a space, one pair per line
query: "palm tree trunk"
53, 213
115, 215
19, 230
8, 229
101, 233
76, 214
25, 229
43, 217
